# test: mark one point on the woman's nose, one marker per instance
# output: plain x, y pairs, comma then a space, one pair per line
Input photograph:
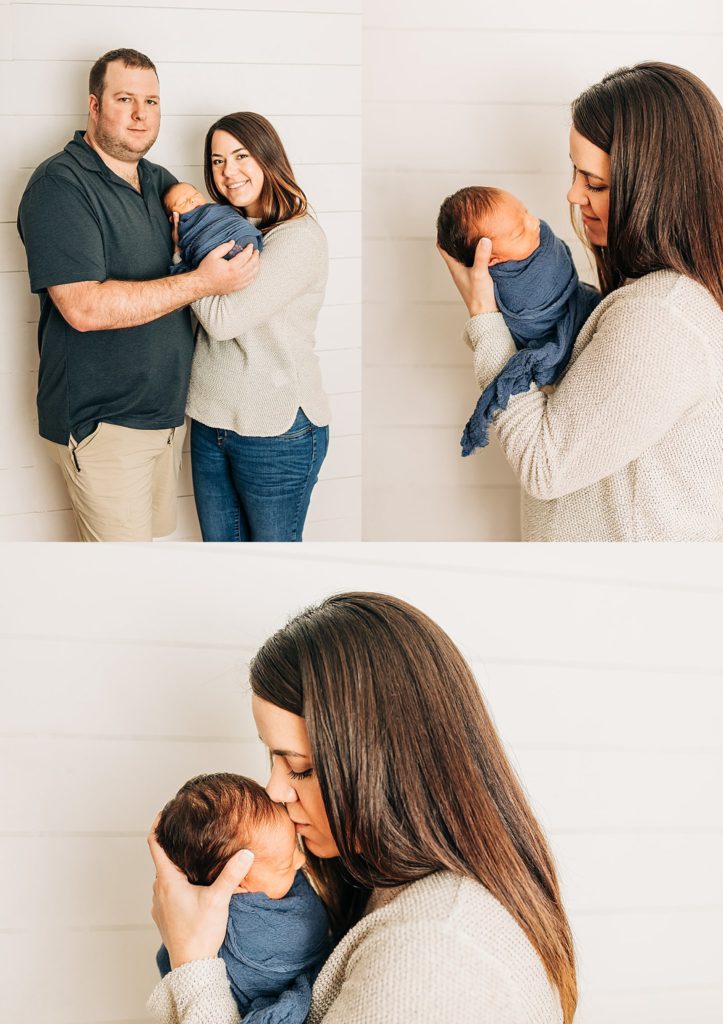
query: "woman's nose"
278, 787
576, 193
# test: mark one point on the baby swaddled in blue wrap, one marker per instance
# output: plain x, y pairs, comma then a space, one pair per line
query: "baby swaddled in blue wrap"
536, 288
273, 951
203, 225
278, 931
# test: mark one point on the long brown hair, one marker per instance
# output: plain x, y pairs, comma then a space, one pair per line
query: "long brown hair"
663, 130
281, 197
413, 776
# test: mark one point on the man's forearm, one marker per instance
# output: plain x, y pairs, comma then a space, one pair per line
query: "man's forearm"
107, 305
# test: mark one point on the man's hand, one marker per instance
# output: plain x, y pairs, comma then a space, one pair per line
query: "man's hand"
192, 919
474, 283
220, 277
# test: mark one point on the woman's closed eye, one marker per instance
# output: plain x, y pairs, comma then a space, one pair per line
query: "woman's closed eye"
301, 775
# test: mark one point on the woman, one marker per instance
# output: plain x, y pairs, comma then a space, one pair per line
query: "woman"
628, 447
437, 878
259, 413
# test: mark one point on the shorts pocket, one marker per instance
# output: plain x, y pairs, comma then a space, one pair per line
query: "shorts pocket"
86, 442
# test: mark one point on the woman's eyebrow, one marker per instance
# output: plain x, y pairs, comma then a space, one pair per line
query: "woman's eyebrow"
241, 149
283, 753
588, 174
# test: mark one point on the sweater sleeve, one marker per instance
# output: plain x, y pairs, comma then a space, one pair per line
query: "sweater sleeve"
422, 973
646, 366
293, 254
196, 993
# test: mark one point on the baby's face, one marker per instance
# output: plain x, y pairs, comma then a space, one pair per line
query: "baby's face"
182, 197
515, 233
277, 858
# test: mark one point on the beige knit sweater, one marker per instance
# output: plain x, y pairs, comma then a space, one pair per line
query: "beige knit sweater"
254, 364
441, 949
629, 446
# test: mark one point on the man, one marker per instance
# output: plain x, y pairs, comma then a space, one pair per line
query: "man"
115, 335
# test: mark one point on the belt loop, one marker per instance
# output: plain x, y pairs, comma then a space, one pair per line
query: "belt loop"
171, 436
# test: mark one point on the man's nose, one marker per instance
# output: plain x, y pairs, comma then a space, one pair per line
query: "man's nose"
139, 112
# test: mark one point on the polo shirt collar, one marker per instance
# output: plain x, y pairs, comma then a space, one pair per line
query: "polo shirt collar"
83, 154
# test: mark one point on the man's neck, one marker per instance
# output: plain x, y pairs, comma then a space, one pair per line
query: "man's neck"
128, 170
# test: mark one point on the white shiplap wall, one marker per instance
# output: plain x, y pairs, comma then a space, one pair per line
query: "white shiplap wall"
459, 94
124, 674
296, 62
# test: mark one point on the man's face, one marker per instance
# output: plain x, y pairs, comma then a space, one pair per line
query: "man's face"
125, 122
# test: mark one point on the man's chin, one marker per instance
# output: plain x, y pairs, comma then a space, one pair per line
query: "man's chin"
126, 148
141, 145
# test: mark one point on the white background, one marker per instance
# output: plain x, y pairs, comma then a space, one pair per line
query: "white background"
298, 64
123, 673
457, 94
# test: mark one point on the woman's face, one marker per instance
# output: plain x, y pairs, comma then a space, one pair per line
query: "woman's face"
238, 177
293, 781
590, 186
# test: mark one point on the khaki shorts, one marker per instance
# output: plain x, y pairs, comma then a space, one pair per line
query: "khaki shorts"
122, 481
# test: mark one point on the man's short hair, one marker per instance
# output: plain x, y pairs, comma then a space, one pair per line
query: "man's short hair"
209, 819
128, 58
459, 217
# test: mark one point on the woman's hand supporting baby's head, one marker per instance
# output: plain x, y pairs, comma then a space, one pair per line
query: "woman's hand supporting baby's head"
192, 919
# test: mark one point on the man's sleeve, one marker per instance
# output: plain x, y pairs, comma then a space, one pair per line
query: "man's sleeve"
61, 234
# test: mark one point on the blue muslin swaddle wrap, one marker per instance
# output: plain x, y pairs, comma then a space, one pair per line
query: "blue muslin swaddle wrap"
544, 306
273, 951
204, 228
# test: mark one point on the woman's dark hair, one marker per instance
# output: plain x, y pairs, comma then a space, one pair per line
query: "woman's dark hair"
281, 198
413, 776
663, 130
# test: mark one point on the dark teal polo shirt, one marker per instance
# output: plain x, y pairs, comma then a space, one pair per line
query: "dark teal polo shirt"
81, 222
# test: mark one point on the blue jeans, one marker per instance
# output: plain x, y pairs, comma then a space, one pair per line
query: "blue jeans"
255, 488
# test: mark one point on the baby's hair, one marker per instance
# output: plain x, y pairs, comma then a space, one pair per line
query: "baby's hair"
209, 819
170, 189
459, 216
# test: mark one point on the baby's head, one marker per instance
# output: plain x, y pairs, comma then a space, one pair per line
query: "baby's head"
481, 212
213, 816
182, 198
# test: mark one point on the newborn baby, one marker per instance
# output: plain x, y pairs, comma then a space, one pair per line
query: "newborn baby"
536, 288
203, 225
278, 931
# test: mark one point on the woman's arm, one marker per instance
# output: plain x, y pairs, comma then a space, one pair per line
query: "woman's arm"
196, 993
192, 920
426, 973
293, 256
645, 367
